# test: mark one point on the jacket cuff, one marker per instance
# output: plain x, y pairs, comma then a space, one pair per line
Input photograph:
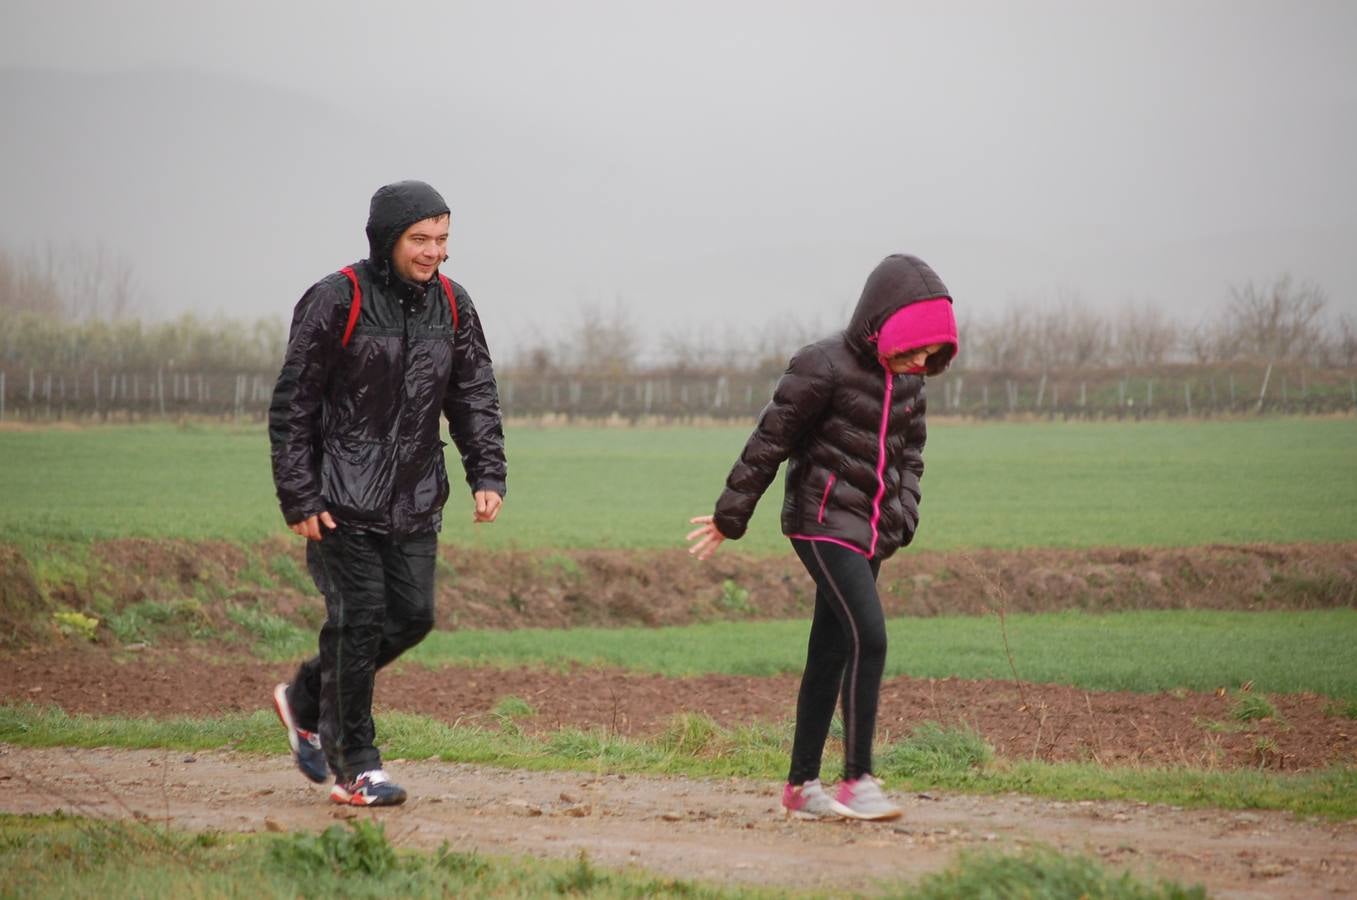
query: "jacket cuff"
301, 512
499, 487
730, 529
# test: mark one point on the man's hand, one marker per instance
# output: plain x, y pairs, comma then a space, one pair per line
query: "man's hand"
709, 537
487, 506
310, 528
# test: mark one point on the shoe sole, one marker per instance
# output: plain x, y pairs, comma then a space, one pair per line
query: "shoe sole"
849, 813
280, 706
802, 816
344, 798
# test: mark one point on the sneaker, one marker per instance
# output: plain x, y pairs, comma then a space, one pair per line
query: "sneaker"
305, 744
808, 801
862, 799
372, 788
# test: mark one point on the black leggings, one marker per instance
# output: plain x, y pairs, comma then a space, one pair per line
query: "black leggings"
845, 655
378, 603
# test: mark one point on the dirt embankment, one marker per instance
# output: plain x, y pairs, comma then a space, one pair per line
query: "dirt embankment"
564, 588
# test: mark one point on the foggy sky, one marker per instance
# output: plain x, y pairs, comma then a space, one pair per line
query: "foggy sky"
706, 165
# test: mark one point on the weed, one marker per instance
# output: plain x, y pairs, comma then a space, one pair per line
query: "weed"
581, 878
1346, 709
362, 849
1265, 750
285, 569
470, 864
510, 708
689, 733
1042, 873
734, 599
278, 638
1250, 707
76, 624
931, 749
148, 619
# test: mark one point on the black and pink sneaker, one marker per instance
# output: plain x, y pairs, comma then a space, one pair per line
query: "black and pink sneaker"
371, 788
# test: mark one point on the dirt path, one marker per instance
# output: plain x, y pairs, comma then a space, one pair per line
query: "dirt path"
723, 831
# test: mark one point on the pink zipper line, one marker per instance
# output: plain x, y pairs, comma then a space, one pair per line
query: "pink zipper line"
829, 486
881, 457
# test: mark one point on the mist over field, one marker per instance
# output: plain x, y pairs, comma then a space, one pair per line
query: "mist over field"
708, 168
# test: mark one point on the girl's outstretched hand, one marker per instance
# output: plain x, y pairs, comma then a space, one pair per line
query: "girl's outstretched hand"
707, 538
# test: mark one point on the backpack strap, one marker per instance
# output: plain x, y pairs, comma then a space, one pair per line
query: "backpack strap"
452, 300
355, 307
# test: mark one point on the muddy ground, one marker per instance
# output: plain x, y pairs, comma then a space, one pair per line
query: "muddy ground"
727, 832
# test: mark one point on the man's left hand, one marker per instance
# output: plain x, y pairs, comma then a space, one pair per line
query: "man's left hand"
487, 506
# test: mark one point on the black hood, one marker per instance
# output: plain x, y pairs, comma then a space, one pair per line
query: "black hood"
897, 281
394, 208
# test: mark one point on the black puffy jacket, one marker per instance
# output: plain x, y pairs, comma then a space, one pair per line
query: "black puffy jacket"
852, 432
355, 429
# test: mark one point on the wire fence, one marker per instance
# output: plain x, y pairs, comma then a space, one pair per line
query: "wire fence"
32, 395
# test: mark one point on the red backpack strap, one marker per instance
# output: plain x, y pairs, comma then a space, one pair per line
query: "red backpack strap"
452, 299
355, 306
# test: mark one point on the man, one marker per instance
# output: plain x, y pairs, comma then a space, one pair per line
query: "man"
376, 352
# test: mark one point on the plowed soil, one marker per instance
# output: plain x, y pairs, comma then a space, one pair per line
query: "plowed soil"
1049, 722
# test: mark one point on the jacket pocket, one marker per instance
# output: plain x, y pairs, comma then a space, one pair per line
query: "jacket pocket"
356, 477
824, 499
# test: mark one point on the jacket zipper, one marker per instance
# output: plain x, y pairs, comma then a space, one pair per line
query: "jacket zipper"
829, 486
881, 457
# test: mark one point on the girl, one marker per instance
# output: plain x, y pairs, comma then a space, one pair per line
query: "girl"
848, 417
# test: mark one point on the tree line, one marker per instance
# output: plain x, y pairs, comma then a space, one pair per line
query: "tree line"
89, 314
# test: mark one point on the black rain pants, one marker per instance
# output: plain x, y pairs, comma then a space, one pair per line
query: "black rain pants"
379, 603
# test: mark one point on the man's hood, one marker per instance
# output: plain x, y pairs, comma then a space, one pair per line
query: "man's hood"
896, 282
394, 208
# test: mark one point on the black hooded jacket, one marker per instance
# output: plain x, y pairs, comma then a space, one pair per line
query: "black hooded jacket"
852, 432
355, 429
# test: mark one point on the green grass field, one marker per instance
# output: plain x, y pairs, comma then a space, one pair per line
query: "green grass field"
1280, 652
987, 485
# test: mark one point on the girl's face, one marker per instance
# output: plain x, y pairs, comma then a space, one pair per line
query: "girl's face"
911, 361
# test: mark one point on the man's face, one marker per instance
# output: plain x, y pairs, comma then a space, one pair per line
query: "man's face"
420, 250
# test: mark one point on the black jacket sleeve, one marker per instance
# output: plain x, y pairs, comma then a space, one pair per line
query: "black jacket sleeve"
472, 404
313, 346
912, 469
800, 397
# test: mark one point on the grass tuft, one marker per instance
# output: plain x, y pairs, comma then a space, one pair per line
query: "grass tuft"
932, 750
1251, 707
1041, 873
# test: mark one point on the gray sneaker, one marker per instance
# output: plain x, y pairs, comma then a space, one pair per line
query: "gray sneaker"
862, 799
808, 801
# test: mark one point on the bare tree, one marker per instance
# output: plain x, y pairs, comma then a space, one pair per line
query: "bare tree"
1008, 343
605, 341
1345, 341
1280, 321
1142, 335
27, 287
